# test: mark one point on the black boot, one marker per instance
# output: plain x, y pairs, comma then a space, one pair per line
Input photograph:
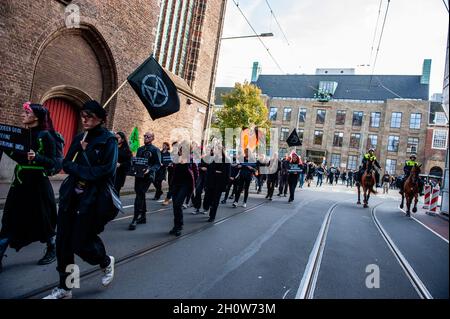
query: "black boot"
132, 225
50, 254
142, 219
3, 246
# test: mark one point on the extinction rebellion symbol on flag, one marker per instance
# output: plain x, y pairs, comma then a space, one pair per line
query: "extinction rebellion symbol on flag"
155, 90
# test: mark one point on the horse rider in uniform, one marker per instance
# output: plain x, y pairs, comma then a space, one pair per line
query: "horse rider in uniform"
409, 164
369, 156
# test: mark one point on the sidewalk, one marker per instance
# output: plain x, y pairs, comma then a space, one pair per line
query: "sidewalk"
56, 181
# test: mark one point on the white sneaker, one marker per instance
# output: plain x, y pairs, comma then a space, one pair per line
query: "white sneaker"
244, 205
205, 212
195, 212
59, 293
235, 204
109, 272
185, 206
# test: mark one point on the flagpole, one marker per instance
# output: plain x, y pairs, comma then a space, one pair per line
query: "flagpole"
104, 105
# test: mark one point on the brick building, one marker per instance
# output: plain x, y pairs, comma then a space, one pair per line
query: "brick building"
62, 53
339, 116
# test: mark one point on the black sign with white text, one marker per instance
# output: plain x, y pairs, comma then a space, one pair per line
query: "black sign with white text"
13, 138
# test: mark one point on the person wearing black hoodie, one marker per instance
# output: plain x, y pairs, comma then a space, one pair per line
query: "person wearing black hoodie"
232, 182
247, 170
30, 210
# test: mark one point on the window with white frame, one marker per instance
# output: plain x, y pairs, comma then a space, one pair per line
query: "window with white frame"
287, 113
413, 145
372, 141
300, 132
302, 115
273, 113
355, 140
320, 117
284, 134
375, 119
391, 165
357, 118
338, 139
439, 139
414, 122
393, 142
440, 118
352, 162
336, 160
396, 119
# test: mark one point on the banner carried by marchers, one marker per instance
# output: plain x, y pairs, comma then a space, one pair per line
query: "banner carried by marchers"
13, 138
155, 89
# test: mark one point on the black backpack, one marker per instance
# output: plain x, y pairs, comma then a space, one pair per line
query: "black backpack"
59, 141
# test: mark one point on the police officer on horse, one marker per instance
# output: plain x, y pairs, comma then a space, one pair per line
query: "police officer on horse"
369, 156
409, 164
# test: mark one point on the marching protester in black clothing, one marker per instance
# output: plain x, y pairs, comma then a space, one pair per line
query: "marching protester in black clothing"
272, 177
86, 199
183, 183
350, 178
247, 170
232, 182
161, 173
320, 172
166, 158
30, 210
283, 183
310, 170
217, 177
123, 162
200, 185
141, 185
293, 171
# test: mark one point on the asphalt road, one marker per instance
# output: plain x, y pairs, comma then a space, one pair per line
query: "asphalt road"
322, 244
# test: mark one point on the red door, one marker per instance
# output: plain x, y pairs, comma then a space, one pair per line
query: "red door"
65, 119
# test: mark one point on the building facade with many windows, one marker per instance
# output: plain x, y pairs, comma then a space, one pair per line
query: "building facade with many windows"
352, 114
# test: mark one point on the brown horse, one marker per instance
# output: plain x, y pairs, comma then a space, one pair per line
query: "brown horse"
367, 181
411, 190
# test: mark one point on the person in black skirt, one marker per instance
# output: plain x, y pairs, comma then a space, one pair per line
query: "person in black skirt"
123, 162
30, 210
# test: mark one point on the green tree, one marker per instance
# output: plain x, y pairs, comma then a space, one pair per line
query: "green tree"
243, 108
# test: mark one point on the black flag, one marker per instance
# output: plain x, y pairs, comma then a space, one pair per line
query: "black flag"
155, 89
293, 139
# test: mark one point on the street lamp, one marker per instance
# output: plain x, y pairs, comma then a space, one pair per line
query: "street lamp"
266, 34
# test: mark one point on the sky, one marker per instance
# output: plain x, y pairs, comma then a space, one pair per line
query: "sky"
335, 34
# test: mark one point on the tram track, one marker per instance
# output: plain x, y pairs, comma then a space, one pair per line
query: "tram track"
141, 252
409, 271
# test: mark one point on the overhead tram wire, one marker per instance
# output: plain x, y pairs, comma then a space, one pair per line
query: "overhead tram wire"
445, 4
276, 20
259, 38
375, 32
379, 42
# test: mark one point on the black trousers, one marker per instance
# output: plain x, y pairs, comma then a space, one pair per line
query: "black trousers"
270, 187
292, 181
77, 234
158, 187
214, 194
141, 186
179, 193
243, 184
234, 184
199, 187
283, 185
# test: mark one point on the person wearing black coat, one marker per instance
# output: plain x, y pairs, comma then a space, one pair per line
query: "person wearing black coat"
200, 185
30, 210
232, 182
86, 201
217, 177
293, 171
183, 184
283, 183
142, 184
161, 173
123, 162
247, 170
